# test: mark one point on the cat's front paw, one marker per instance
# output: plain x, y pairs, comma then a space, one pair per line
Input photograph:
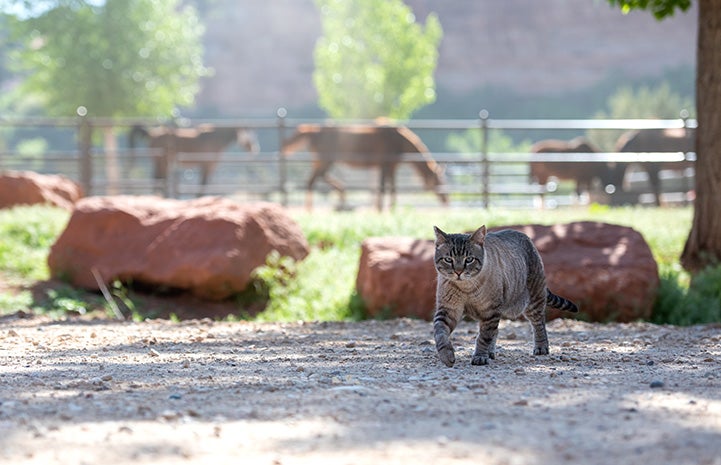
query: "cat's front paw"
540, 350
447, 356
481, 359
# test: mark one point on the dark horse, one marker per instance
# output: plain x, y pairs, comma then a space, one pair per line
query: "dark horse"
582, 172
379, 147
657, 140
205, 140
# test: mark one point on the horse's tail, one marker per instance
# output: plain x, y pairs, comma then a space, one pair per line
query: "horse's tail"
135, 132
298, 140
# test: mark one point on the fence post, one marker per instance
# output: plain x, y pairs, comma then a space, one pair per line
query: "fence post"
282, 165
85, 137
485, 168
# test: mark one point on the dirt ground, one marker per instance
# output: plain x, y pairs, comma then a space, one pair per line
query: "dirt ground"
91, 392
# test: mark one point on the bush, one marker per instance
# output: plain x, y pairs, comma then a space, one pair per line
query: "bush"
698, 303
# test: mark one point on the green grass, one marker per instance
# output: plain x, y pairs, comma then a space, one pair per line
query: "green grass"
664, 229
322, 287
26, 234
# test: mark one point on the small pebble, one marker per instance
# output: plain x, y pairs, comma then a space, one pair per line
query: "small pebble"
656, 384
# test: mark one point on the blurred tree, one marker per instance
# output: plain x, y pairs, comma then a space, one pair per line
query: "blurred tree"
703, 246
118, 58
469, 142
374, 60
643, 102
111, 59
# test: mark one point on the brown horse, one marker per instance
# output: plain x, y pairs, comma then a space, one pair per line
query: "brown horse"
364, 147
205, 140
657, 140
583, 173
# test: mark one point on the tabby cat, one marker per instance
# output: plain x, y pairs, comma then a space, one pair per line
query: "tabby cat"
486, 277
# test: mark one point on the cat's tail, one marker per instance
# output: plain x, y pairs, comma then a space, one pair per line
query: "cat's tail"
563, 304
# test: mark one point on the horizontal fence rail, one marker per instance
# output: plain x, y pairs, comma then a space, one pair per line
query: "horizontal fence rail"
77, 148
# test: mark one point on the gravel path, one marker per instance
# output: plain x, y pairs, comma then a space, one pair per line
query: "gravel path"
202, 392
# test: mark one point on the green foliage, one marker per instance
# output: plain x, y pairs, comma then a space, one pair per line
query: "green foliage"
660, 8
696, 304
14, 302
374, 60
322, 286
118, 58
318, 288
66, 299
640, 102
27, 234
470, 142
324, 283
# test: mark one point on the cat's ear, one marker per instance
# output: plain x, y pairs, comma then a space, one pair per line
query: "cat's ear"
441, 237
479, 236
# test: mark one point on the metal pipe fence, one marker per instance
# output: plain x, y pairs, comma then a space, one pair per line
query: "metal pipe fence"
474, 177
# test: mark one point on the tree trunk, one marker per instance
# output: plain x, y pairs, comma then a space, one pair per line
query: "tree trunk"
703, 246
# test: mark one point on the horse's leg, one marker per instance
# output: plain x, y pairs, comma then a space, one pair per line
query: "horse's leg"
320, 170
391, 181
653, 177
159, 172
543, 182
204, 175
317, 172
380, 192
338, 186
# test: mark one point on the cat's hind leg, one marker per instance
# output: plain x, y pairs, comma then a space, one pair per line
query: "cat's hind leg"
486, 340
536, 315
444, 322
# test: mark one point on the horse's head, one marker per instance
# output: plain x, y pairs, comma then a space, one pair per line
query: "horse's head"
434, 179
248, 139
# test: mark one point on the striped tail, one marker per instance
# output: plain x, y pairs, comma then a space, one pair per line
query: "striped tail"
555, 301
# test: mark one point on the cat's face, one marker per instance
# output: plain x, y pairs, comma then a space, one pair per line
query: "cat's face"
459, 256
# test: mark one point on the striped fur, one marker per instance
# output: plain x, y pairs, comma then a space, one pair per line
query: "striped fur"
486, 276
560, 303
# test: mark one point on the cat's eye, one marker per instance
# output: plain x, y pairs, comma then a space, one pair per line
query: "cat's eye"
448, 259
469, 260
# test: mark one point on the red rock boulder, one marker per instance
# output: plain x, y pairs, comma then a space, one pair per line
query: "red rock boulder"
396, 277
30, 188
607, 269
209, 246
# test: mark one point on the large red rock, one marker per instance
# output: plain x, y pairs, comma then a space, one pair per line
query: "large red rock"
208, 246
30, 188
607, 269
396, 277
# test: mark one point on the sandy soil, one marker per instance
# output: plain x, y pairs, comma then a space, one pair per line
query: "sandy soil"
91, 392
